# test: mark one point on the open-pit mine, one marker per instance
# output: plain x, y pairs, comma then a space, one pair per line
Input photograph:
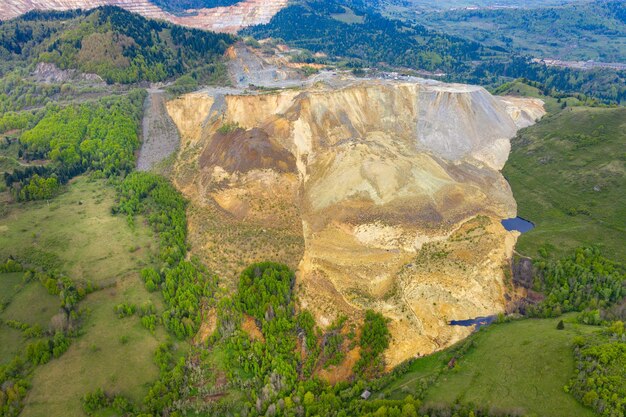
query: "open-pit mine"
385, 195
218, 19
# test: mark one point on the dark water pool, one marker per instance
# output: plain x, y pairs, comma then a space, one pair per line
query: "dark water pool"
517, 223
478, 322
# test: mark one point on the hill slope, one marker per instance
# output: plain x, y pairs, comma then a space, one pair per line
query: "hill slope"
579, 31
117, 45
365, 38
359, 33
568, 175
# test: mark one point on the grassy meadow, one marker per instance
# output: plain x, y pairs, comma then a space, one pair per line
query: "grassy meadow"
26, 303
568, 176
111, 353
517, 366
76, 234
11, 340
32, 305
11, 343
10, 284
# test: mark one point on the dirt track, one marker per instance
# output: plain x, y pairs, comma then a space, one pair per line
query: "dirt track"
160, 135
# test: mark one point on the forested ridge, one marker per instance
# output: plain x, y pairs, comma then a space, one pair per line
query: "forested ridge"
183, 6
119, 46
597, 28
375, 40
606, 85
371, 40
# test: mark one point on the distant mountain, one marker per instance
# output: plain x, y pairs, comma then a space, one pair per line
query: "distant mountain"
460, 4
577, 31
117, 45
201, 14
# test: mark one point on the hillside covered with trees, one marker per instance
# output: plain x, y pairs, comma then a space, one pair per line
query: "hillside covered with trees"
119, 46
368, 39
184, 6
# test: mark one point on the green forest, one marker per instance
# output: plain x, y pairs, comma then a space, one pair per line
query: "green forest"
182, 7
119, 46
102, 137
373, 40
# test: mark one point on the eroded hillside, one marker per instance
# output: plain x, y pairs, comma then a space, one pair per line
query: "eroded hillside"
220, 19
384, 195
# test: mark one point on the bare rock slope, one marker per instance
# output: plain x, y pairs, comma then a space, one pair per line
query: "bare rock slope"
219, 19
394, 188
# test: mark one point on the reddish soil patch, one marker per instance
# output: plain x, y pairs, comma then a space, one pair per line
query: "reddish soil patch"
207, 327
300, 349
214, 397
249, 326
245, 150
343, 371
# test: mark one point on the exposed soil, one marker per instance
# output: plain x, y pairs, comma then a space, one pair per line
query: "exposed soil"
207, 327
50, 73
249, 326
377, 213
247, 68
343, 371
245, 150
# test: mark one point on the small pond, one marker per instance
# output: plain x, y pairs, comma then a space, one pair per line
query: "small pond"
478, 322
517, 223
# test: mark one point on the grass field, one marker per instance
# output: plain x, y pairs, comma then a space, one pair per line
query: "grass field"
75, 233
11, 343
568, 176
32, 305
114, 354
521, 365
27, 303
10, 284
